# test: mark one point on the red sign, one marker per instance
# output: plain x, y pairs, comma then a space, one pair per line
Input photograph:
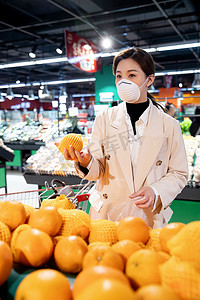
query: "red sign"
81, 52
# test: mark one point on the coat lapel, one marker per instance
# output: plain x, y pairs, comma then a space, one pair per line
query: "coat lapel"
118, 129
152, 141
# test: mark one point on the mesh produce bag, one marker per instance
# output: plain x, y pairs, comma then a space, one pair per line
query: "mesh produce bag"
103, 231
182, 278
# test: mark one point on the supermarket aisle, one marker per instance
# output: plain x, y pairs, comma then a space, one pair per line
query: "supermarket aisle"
17, 183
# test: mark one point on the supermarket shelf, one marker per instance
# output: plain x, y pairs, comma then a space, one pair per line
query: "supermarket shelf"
25, 145
40, 179
189, 193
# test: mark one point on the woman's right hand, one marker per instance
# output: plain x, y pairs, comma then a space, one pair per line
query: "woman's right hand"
83, 157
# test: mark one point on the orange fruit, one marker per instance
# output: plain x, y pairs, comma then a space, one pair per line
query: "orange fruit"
28, 210
48, 202
31, 247
167, 232
6, 262
71, 139
5, 233
12, 213
107, 289
89, 275
142, 267
125, 248
44, 284
74, 222
63, 202
46, 219
155, 292
103, 256
97, 244
181, 277
133, 228
69, 253
154, 240
103, 231
185, 244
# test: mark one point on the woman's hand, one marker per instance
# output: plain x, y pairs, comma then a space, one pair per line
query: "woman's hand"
148, 197
83, 157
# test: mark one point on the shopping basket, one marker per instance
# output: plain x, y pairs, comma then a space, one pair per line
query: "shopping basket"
78, 194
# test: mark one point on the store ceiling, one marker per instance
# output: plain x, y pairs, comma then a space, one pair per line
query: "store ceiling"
145, 23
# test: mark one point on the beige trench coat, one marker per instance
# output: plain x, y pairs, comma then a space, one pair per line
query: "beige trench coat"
162, 162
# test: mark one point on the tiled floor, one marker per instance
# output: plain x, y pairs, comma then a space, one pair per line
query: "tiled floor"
17, 183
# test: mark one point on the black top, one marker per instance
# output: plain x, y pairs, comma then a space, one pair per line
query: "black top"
135, 111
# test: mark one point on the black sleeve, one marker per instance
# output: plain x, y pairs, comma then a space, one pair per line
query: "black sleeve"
83, 169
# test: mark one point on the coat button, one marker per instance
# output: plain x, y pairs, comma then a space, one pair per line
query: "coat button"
159, 162
105, 196
107, 157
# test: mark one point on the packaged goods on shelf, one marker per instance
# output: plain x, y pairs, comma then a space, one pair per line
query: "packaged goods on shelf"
192, 145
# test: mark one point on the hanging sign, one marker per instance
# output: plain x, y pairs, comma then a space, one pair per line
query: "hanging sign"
82, 53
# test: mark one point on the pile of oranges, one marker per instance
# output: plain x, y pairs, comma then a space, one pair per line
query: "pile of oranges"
112, 261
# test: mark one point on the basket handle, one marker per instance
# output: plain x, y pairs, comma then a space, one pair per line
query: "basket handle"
58, 181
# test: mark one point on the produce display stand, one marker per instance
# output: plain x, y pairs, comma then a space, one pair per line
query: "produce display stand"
20, 148
18, 273
5, 156
40, 179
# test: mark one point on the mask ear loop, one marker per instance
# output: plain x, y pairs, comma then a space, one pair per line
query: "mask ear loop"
144, 82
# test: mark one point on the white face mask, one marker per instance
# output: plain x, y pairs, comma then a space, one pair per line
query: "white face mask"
128, 90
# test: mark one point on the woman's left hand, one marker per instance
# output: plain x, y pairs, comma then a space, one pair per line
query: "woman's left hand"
148, 197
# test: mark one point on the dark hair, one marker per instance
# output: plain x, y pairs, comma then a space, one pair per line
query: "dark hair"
145, 61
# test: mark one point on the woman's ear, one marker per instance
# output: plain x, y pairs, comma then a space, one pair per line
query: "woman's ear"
150, 80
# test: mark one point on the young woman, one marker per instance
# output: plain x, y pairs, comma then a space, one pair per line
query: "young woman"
136, 148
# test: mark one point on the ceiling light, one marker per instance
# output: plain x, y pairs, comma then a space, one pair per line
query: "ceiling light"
180, 85
106, 43
59, 51
31, 95
32, 52
45, 92
18, 81
10, 94
192, 92
196, 82
63, 95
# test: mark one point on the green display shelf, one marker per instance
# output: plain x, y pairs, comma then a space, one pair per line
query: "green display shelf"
185, 211
17, 159
2, 176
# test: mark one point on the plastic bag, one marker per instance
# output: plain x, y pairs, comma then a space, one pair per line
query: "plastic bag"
126, 209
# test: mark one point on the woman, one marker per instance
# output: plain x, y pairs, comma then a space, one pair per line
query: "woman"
136, 148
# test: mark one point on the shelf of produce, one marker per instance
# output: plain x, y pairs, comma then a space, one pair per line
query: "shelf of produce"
18, 273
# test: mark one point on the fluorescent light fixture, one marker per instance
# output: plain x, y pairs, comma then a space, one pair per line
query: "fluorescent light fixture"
83, 95
34, 62
178, 47
56, 82
101, 54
